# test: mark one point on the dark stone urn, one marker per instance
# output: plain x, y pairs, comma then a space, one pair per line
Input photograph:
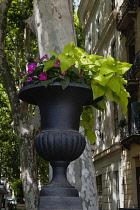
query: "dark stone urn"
59, 141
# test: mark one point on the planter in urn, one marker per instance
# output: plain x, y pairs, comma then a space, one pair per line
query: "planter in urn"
64, 87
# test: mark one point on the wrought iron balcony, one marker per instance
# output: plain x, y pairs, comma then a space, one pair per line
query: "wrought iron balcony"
132, 73
130, 131
127, 11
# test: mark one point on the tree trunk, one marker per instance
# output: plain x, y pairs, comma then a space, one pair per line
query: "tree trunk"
81, 174
53, 24
21, 127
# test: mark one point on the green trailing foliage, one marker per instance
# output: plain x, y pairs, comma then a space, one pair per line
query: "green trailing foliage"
104, 75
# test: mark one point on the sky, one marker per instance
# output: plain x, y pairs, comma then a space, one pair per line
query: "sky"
77, 3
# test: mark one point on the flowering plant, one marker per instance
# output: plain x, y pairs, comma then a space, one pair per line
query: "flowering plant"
104, 75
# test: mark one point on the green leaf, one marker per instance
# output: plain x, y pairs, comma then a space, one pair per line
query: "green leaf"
46, 82
85, 117
97, 91
122, 67
65, 62
75, 70
110, 60
103, 79
69, 48
91, 135
48, 64
53, 53
101, 105
65, 82
124, 100
114, 84
109, 95
85, 124
98, 63
107, 69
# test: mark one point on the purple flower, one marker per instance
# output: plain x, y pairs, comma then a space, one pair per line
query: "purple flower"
20, 87
63, 73
57, 63
22, 74
29, 79
35, 76
44, 56
30, 71
43, 76
31, 67
80, 74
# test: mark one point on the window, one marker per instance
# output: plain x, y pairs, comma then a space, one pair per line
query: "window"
99, 190
112, 5
113, 49
131, 52
99, 184
98, 26
117, 188
115, 119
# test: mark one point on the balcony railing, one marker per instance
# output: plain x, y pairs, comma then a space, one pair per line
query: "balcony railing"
130, 131
132, 128
126, 11
132, 72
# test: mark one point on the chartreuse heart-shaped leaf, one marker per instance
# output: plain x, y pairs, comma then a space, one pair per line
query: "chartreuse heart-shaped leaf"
91, 135
87, 122
121, 68
54, 53
48, 64
65, 62
69, 48
109, 95
97, 90
110, 60
124, 100
114, 84
106, 69
103, 80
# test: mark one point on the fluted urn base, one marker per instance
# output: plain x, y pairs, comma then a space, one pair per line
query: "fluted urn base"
60, 147
59, 193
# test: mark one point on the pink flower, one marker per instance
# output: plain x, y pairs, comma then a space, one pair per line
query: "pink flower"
57, 63
43, 76
29, 79
31, 66
63, 73
35, 77
22, 74
80, 74
20, 87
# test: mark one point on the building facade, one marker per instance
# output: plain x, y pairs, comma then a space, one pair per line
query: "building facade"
113, 27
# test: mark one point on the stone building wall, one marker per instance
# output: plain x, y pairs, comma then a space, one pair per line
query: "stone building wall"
115, 164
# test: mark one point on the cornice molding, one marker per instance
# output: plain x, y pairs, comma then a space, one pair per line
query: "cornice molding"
107, 153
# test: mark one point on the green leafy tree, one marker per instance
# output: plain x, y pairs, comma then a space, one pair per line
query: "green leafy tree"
9, 142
